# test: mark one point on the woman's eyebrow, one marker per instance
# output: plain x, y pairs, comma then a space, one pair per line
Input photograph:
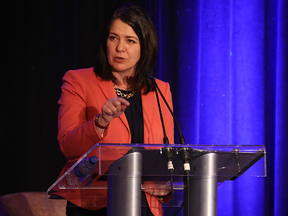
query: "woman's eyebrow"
128, 36
132, 37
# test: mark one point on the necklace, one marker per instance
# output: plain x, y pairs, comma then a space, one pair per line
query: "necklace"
121, 94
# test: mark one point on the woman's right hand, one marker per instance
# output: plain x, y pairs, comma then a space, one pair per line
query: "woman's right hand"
113, 108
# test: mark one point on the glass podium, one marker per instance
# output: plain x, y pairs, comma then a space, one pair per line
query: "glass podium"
144, 167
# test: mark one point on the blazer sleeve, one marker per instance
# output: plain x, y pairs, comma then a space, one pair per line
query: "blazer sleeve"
76, 133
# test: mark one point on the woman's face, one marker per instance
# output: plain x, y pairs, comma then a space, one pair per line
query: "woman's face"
123, 48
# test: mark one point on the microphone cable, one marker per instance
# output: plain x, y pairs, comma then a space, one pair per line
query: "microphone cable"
186, 158
168, 154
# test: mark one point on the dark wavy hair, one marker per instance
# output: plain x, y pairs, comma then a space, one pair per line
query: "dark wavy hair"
140, 22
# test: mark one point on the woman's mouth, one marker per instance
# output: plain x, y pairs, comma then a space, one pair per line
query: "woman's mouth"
119, 59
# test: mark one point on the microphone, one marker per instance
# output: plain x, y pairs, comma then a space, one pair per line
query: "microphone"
150, 75
168, 152
184, 152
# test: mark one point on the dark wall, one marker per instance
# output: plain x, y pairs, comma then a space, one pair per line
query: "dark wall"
41, 40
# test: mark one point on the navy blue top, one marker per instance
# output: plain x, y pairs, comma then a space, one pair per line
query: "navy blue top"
134, 116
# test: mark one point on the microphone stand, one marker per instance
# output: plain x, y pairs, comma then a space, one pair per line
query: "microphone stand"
167, 152
184, 152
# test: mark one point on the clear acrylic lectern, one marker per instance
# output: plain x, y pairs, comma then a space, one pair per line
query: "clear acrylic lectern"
143, 167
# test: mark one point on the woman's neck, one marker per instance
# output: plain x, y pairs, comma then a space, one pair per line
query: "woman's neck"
123, 83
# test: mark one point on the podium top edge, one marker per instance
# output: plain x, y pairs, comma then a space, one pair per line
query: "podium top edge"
213, 147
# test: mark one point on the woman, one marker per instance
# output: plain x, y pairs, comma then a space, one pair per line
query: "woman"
114, 102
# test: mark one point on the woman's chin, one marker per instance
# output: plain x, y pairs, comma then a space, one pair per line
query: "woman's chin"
126, 71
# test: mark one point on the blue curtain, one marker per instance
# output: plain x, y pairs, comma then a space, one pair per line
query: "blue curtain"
226, 63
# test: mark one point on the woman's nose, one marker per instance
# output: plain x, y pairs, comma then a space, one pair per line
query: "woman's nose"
120, 47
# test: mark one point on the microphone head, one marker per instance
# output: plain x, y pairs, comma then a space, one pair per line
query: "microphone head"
149, 74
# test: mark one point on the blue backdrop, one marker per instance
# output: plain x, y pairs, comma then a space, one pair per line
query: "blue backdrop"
226, 64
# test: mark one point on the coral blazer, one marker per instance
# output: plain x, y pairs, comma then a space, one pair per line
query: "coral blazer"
83, 95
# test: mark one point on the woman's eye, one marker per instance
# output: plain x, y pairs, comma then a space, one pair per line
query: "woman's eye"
112, 38
131, 41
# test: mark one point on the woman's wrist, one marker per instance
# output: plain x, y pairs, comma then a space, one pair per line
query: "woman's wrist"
99, 122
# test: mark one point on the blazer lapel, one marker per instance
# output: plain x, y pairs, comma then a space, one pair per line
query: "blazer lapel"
148, 106
107, 88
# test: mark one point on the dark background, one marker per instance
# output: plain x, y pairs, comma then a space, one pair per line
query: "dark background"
42, 40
